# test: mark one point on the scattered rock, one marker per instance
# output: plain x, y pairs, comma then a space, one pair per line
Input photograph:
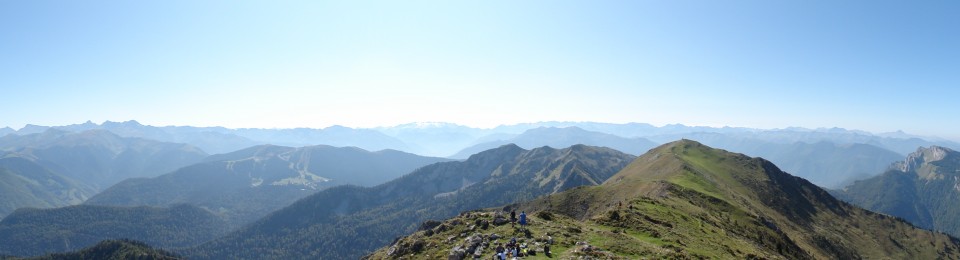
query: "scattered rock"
441, 228
499, 221
457, 253
473, 242
407, 247
478, 252
429, 224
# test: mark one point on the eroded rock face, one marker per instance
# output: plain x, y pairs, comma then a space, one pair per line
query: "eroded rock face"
923, 155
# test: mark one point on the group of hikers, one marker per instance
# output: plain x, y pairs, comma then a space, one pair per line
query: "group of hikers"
512, 250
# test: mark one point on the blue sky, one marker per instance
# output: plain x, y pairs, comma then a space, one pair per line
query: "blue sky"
873, 65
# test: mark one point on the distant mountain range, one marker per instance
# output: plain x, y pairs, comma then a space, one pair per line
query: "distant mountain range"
46, 166
799, 151
217, 140
679, 200
923, 189
683, 200
443, 139
57, 168
563, 137
245, 185
346, 221
899, 142
195, 203
99, 158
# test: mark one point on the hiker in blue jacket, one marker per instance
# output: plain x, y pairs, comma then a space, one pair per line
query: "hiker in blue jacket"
523, 219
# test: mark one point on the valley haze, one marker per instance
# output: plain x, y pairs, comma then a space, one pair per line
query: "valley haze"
829, 157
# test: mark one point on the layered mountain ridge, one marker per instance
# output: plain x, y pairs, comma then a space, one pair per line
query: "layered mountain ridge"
829, 157
346, 221
687, 200
57, 168
247, 184
99, 158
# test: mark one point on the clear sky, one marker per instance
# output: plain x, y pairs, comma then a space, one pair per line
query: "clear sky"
872, 65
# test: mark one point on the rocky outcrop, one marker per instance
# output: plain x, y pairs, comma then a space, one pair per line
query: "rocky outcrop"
923, 155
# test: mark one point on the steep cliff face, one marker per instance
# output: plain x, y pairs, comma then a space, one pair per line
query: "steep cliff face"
922, 157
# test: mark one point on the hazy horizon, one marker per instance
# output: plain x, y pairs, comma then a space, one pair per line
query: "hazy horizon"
426, 124
875, 66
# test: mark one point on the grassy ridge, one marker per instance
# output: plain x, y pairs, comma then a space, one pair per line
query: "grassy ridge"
686, 200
